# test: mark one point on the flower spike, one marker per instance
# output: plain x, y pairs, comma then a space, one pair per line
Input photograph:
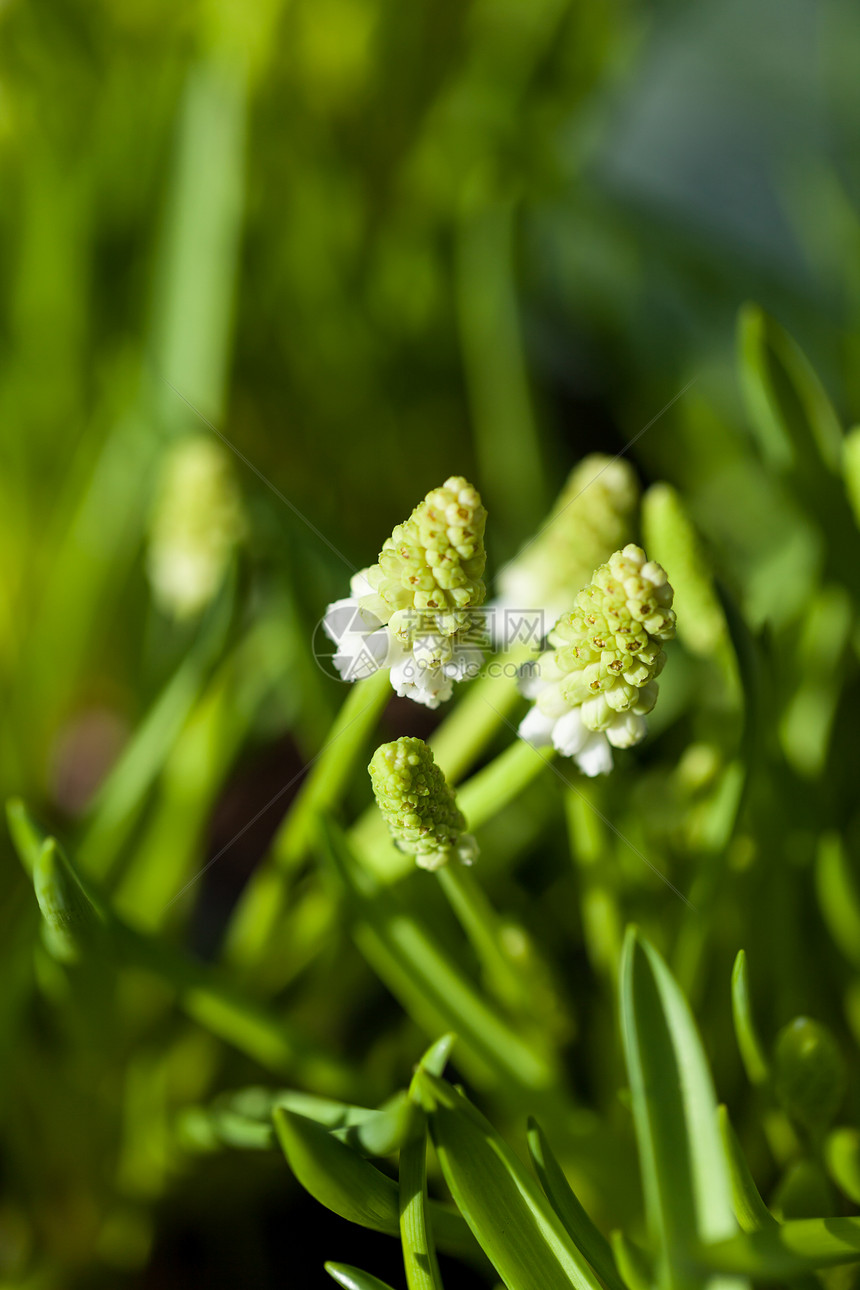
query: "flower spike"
412, 611
418, 805
592, 517
197, 521
595, 684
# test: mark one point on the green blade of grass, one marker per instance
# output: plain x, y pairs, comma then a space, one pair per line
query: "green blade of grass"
123, 794
787, 1250
511, 1218
80, 922
790, 411
245, 1120
632, 1262
419, 1250
684, 1174
750, 1210
432, 988
353, 1278
749, 1044
71, 921
356, 1190
27, 836
582, 1231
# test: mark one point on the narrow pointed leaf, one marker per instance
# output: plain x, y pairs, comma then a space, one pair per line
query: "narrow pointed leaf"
354, 1278
582, 1231
790, 411
71, 921
421, 974
121, 798
632, 1263
511, 1218
750, 1210
419, 1250
787, 1250
26, 834
749, 1044
350, 1186
244, 1120
684, 1174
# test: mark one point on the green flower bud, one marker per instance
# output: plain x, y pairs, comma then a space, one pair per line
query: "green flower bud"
808, 1073
607, 653
592, 517
196, 521
418, 805
429, 570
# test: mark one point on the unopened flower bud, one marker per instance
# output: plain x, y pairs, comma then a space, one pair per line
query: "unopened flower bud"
592, 517
418, 805
196, 522
808, 1073
433, 562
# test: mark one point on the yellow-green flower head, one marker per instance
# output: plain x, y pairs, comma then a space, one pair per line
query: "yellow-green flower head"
595, 684
431, 567
413, 612
197, 520
592, 517
418, 805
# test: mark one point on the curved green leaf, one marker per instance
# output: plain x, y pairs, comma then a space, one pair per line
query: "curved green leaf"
511, 1218
632, 1262
419, 1250
27, 836
790, 411
71, 921
351, 1187
354, 1278
684, 1175
750, 1210
787, 1250
582, 1231
422, 975
750, 1046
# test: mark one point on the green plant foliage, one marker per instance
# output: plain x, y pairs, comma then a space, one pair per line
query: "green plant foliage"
272, 274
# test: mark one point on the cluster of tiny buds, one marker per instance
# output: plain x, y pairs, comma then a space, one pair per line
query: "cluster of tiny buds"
612, 639
433, 562
418, 805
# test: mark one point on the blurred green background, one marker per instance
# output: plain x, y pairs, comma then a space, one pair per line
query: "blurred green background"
371, 245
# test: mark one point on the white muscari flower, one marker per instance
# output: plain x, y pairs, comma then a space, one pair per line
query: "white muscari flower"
594, 686
412, 612
197, 520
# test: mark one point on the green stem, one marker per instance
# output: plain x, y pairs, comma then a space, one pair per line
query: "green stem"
503, 780
255, 920
481, 925
219, 1007
464, 734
